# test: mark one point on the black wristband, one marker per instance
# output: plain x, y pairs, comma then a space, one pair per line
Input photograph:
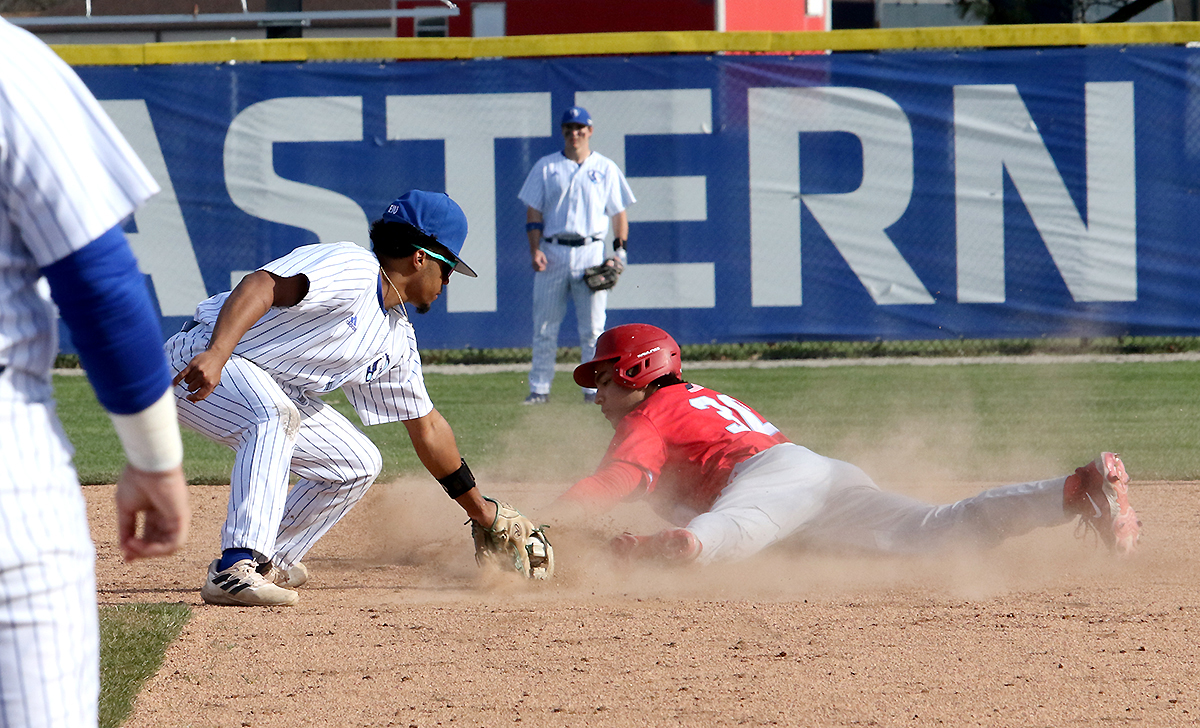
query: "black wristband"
458, 482
618, 243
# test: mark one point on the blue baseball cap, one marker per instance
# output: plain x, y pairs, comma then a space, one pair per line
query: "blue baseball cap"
437, 216
576, 115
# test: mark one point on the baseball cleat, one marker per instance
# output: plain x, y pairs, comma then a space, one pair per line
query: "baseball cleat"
535, 398
1099, 494
674, 545
297, 576
242, 586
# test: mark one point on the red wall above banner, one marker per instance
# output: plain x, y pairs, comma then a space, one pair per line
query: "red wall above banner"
776, 15
544, 17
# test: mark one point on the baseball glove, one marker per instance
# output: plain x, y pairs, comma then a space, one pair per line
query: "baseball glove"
604, 276
513, 543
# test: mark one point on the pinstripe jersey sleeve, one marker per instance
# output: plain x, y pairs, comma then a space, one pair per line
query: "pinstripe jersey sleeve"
533, 192
620, 196
68, 175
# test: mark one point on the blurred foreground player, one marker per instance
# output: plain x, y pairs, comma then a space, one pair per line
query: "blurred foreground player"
733, 484
67, 179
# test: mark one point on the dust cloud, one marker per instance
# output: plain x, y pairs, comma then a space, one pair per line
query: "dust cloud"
936, 459
413, 525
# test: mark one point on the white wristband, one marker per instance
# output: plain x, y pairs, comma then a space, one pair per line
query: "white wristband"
151, 437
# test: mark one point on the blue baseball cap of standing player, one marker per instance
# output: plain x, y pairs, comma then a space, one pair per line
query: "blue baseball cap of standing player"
576, 115
437, 216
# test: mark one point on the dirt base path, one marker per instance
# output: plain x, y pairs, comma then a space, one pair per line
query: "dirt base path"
398, 628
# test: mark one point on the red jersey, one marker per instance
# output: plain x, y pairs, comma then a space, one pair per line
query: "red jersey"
683, 440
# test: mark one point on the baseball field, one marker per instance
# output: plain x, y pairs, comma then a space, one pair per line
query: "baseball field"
397, 627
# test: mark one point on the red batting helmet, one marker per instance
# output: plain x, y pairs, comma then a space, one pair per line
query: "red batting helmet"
640, 354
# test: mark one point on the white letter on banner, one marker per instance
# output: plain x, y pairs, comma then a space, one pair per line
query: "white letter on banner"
994, 132
250, 167
470, 154
162, 244
618, 114
855, 221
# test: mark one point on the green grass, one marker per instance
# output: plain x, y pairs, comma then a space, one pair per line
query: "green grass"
133, 639
992, 413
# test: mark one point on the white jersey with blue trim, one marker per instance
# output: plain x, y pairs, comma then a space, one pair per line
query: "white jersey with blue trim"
58, 192
576, 200
338, 335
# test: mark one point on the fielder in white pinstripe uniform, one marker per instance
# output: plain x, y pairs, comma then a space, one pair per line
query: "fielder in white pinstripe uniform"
322, 317
67, 179
570, 196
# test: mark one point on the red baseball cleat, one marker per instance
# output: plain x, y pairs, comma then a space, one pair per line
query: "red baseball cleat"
1099, 493
674, 545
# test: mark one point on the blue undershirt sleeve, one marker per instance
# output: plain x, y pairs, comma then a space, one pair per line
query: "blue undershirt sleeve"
103, 299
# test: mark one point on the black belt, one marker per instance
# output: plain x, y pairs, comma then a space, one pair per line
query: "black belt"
573, 242
193, 323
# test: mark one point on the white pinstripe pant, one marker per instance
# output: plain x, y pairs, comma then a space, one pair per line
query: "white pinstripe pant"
273, 434
49, 633
563, 278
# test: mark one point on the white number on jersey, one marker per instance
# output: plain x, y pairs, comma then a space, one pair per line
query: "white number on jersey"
741, 417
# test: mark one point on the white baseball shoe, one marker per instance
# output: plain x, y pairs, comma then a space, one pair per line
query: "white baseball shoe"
292, 578
242, 586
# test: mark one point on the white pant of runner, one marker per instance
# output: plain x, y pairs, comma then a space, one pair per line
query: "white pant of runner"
273, 434
563, 279
790, 491
49, 633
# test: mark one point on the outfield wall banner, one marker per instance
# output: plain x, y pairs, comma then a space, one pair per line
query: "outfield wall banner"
897, 195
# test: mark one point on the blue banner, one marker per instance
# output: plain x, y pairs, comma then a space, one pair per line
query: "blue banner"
900, 195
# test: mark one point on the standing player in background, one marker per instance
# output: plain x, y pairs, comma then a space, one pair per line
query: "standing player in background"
255, 360
733, 484
67, 179
570, 197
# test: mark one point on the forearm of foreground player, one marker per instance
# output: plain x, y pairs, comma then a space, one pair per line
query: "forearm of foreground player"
433, 440
152, 485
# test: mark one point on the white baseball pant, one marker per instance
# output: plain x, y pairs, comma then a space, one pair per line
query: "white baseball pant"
789, 491
274, 433
49, 632
563, 278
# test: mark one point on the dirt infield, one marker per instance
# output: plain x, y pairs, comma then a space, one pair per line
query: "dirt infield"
398, 628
